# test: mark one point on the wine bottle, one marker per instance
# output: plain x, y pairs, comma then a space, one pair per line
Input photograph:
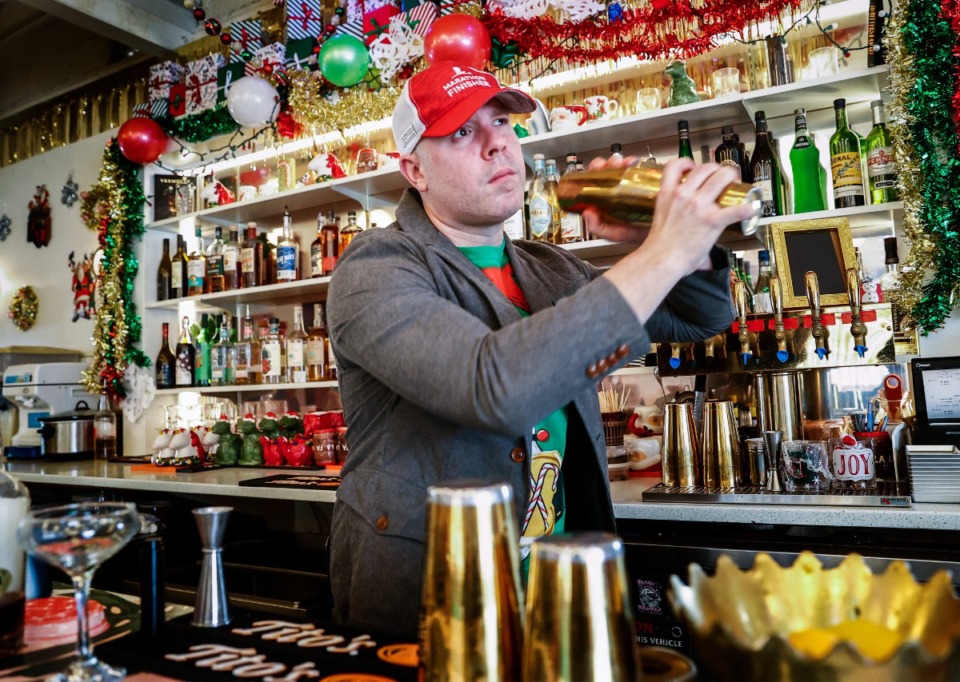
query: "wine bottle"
685, 151
164, 272
186, 356
317, 347
845, 161
252, 265
178, 272
765, 171
205, 337
728, 152
881, 168
196, 267
231, 262
166, 363
295, 349
805, 164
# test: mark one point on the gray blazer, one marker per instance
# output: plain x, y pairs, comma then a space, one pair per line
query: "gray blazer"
442, 379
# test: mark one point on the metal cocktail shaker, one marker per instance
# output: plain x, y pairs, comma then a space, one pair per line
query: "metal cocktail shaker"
681, 464
212, 609
630, 194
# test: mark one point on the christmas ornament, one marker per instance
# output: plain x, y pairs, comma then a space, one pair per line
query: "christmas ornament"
39, 222
326, 114
83, 285
252, 101
23, 308
5, 223
141, 140
226, 38
212, 27
395, 48
344, 60
68, 194
141, 390
458, 38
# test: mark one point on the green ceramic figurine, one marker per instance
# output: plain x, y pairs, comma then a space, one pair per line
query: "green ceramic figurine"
290, 424
269, 426
683, 89
251, 454
228, 446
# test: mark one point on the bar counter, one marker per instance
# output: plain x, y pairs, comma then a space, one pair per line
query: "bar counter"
627, 503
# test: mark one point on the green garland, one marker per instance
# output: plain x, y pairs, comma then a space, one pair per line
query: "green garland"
928, 41
199, 127
118, 327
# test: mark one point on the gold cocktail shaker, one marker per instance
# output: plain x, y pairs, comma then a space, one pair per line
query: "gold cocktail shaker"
630, 194
470, 625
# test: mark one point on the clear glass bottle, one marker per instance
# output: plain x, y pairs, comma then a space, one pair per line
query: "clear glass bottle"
166, 364
295, 349
553, 178
846, 161
197, 267
248, 361
329, 244
805, 165
684, 149
178, 273
348, 233
164, 273
104, 428
881, 166
231, 262
762, 302
317, 347
14, 506
288, 252
252, 265
539, 208
616, 151
215, 267
186, 356
222, 357
905, 341
571, 223
271, 349
765, 171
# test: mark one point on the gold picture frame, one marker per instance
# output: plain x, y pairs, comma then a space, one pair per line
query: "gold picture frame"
824, 246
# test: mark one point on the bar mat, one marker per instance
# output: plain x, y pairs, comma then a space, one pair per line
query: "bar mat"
887, 494
301, 481
262, 647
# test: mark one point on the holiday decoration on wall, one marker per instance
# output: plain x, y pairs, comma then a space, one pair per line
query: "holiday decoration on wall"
5, 223
117, 327
83, 285
39, 223
68, 194
23, 308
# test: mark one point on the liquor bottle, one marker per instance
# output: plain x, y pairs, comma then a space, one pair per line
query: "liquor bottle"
271, 349
728, 152
538, 203
269, 259
746, 175
552, 179
166, 362
164, 273
215, 264
329, 235
178, 273
685, 151
571, 223
845, 161
186, 356
348, 233
905, 340
222, 358
247, 359
805, 164
295, 349
196, 268
762, 303
205, 337
104, 428
231, 262
252, 266
513, 226
743, 274
881, 168
317, 347
288, 253
765, 171
876, 21
616, 151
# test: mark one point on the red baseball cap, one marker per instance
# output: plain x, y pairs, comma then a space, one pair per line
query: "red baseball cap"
442, 97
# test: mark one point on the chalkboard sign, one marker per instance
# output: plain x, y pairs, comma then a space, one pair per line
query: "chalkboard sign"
823, 246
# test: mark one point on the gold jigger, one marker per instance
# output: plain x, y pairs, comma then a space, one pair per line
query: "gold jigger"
721, 460
470, 607
681, 466
579, 625
630, 194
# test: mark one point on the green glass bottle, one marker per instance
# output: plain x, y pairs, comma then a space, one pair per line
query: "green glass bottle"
881, 168
765, 171
805, 164
685, 150
845, 161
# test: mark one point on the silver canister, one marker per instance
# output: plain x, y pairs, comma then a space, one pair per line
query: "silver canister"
681, 465
779, 402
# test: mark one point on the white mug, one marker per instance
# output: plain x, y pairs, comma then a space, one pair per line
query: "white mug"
600, 107
568, 117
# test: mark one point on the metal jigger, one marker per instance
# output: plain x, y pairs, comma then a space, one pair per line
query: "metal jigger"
579, 624
211, 610
771, 441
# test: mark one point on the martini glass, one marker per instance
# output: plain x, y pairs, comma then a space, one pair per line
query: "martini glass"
77, 538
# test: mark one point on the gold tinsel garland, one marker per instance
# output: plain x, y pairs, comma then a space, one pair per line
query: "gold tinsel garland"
902, 79
354, 106
23, 308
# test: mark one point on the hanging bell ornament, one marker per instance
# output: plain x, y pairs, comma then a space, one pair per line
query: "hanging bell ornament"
226, 38
199, 14
212, 27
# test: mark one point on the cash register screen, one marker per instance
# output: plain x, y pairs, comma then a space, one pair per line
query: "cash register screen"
941, 392
936, 383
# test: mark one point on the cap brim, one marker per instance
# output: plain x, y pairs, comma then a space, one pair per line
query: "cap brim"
516, 102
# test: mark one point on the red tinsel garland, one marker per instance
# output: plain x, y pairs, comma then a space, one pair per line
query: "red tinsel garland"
950, 10
660, 30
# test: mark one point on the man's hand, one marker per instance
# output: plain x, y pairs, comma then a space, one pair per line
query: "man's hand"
606, 228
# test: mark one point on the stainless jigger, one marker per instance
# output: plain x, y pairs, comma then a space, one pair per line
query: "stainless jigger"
212, 609
771, 441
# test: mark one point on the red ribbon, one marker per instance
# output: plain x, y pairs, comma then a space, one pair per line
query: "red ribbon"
194, 85
306, 17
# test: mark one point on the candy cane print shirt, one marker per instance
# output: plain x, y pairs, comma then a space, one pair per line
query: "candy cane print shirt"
545, 503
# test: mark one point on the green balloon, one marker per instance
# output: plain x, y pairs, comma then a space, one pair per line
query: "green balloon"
344, 60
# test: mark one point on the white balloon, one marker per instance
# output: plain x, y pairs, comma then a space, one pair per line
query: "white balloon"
252, 101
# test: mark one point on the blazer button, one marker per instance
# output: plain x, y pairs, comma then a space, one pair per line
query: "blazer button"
623, 350
518, 455
612, 359
602, 364
592, 372
383, 522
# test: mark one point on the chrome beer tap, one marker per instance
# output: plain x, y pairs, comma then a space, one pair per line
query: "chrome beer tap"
858, 330
712, 345
819, 333
776, 297
744, 335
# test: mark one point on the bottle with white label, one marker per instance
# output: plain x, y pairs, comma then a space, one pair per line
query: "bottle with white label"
296, 349
317, 347
538, 203
881, 169
222, 357
271, 354
571, 224
513, 226
766, 172
288, 252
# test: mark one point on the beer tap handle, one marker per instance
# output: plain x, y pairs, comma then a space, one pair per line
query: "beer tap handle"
857, 328
675, 355
813, 298
740, 299
776, 298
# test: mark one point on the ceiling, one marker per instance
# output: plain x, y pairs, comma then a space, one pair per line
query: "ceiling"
51, 47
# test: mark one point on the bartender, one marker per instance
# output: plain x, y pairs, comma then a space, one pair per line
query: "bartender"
463, 355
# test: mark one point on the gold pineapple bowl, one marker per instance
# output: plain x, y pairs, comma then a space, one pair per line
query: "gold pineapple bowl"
807, 622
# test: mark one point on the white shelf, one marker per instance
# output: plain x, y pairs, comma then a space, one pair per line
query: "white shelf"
247, 388
274, 293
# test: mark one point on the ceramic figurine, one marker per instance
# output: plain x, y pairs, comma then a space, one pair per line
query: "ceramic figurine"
228, 444
683, 89
290, 424
269, 426
251, 453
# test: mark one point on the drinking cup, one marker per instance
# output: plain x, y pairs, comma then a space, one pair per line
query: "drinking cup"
726, 81
824, 61
805, 466
568, 117
600, 107
366, 160
648, 99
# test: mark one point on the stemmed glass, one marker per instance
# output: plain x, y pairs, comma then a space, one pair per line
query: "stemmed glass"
77, 538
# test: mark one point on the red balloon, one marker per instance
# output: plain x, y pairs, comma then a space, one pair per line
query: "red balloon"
458, 38
142, 140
